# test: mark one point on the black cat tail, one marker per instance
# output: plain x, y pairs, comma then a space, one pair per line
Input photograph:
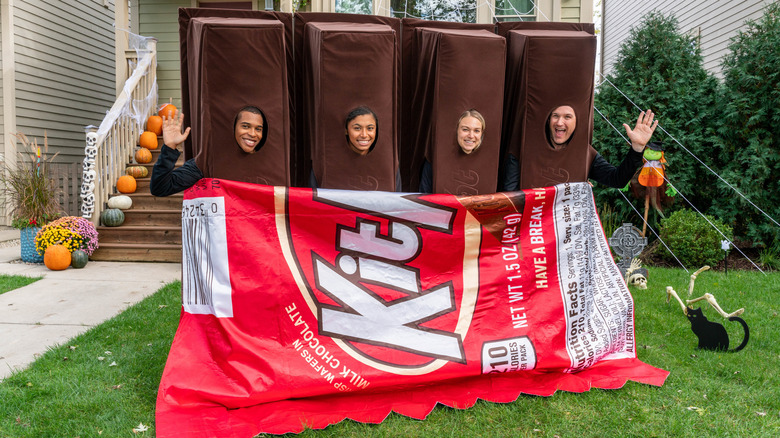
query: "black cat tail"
747, 333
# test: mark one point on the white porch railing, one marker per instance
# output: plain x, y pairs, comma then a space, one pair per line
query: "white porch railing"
112, 145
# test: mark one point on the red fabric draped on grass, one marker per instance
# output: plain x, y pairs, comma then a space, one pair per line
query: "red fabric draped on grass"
305, 307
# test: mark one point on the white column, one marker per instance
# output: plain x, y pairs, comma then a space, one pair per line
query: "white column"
484, 13
121, 26
8, 142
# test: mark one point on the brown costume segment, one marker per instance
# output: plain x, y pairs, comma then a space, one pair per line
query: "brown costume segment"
415, 121
547, 69
460, 70
222, 81
302, 158
347, 65
191, 106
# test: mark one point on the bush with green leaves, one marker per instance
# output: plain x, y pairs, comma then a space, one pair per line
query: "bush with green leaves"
693, 239
661, 69
750, 130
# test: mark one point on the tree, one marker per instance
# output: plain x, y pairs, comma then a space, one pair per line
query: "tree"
661, 69
750, 128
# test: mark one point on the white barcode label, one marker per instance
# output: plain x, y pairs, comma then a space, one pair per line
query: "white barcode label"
205, 274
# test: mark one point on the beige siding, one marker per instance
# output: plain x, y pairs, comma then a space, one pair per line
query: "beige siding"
2, 126
64, 70
570, 11
160, 19
716, 20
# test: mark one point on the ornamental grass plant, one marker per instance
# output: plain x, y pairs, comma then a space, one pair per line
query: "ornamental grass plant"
28, 186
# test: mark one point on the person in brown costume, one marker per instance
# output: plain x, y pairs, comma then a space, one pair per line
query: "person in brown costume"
561, 125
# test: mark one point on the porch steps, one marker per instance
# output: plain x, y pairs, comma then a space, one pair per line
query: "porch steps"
151, 231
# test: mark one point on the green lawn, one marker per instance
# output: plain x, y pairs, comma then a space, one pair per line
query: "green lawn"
71, 392
11, 282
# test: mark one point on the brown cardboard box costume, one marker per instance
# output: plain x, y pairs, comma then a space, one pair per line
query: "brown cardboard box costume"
547, 69
459, 70
218, 79
301, 156
347, 65
414, 121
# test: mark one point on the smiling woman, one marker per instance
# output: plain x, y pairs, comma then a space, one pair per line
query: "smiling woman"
362, 128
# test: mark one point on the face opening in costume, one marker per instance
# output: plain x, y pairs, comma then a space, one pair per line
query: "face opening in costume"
471, 126
561, 125
361, 130
249, 129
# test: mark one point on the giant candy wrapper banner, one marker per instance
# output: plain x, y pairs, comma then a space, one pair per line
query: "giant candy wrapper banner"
305, 307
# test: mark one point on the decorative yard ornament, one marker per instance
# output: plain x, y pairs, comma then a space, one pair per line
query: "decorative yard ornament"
650, 183
712, 336
636, 275
627, 244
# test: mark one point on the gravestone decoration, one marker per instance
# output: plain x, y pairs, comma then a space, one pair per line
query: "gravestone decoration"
627, 243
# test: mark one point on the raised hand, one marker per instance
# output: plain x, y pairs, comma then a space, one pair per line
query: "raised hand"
643, 130
173, 136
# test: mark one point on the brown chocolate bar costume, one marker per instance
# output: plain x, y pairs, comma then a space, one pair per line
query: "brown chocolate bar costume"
347, 65
219, 78
457, 70
308, 70
548, 65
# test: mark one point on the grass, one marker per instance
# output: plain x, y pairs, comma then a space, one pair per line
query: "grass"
11, 282
706, 394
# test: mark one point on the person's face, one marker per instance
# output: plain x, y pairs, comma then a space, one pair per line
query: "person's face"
361, 132
562, 124
249, 131
469, 134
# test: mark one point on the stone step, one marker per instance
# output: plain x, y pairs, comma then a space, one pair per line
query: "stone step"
138, 252
140, 234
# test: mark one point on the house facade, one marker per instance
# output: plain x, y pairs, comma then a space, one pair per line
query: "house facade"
159, 19
57, 74
712, 22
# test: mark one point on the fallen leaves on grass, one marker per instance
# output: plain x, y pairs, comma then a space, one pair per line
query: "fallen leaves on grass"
696, 409
140, 428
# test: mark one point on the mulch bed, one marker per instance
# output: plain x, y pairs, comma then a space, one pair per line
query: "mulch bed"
735, 260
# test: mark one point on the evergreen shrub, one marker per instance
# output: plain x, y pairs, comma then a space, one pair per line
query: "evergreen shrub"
692, 239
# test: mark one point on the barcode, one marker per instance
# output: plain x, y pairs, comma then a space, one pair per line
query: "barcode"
205, 271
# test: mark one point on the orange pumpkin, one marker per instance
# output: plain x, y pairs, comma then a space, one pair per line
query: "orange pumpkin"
148, 140
154, 124
56, 257
126, 184
166, 110
143, 156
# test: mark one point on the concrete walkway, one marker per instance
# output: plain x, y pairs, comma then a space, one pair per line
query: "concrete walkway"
65, 303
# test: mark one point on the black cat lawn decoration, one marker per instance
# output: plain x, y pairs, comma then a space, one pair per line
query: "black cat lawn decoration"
712, 336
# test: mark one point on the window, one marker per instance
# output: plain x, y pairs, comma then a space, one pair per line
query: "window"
515, 10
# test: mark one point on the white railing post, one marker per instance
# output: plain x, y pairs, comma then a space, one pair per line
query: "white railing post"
110, 147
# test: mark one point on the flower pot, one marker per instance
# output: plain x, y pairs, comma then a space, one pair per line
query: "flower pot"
29, 254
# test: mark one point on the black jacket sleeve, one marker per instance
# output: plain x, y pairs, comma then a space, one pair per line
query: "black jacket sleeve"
617, 177
426, 178
166, 179
511, 173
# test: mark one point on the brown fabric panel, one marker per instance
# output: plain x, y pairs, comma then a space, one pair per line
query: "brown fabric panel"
465, 69
504, 27
185, 15
223, 80
547, 69
302, 158
413, 119
348, 65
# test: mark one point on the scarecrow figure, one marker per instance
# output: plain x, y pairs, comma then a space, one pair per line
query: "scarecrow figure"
650, 183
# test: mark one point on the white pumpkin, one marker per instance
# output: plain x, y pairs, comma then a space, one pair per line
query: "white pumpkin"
122, 202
